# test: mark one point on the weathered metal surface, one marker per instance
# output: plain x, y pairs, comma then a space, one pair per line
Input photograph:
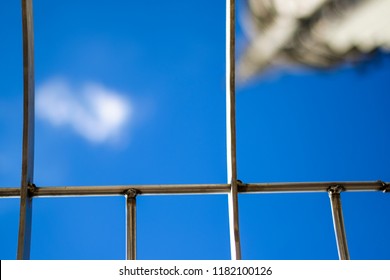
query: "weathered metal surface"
131, 224
338, 221
304, 187
24, 237
235, 246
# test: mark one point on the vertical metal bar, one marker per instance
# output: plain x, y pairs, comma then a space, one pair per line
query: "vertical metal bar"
231, 130
131, 226
24, 237
338, 221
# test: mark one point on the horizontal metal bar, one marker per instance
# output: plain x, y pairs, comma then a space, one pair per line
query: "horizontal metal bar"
141, 189
9, 192
195, 189
310, 187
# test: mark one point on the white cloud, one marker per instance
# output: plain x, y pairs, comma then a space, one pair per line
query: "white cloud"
93, 111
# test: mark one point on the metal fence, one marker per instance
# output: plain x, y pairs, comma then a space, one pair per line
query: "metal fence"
28, 190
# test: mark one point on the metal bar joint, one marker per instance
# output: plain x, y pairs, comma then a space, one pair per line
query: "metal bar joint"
131, 224
335, 189
241, 186
31, 188
384, 186
131, 193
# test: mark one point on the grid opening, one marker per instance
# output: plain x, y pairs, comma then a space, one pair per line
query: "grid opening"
90, 228
183, 227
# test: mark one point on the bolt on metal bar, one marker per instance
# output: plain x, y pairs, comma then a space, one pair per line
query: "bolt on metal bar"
24, 237
338, 221
292, 187
131, 226
235, 246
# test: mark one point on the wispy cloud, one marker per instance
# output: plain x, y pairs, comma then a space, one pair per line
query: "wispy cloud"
93, 111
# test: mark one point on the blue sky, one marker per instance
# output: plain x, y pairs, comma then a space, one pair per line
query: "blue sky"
164, 64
